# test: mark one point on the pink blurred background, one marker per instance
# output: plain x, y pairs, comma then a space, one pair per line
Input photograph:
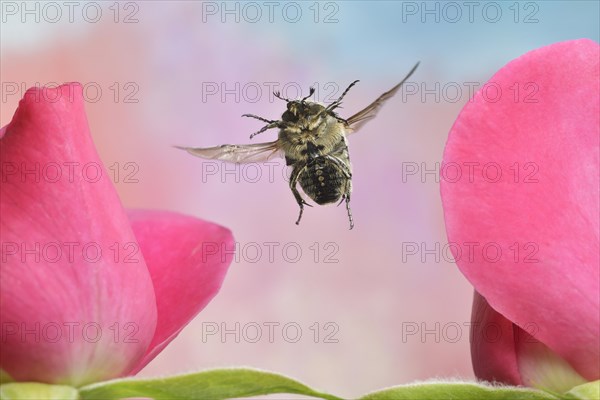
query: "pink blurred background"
148, 68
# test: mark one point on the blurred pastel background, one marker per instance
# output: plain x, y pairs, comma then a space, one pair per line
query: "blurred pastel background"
164, 73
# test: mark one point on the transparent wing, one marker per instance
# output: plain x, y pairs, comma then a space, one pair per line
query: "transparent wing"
234, 153
356, 121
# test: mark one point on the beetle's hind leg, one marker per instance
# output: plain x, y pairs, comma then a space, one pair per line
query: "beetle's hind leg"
293, 181
346, 196
349, 211
301, 203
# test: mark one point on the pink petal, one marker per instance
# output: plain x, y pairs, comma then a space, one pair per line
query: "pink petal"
67, 316
187, 259
493, 351
503, 352
554, 221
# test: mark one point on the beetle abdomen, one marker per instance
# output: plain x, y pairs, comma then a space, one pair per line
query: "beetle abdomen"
323, 180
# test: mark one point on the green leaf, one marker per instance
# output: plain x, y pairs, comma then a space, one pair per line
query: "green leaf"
457, 390
590, 390
36, 391
5, 377
212, 384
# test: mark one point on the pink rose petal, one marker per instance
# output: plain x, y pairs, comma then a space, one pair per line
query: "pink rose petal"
549, 212
67, 316
493, 350
187, 259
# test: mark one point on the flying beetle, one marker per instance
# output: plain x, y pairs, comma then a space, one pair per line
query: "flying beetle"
312, 139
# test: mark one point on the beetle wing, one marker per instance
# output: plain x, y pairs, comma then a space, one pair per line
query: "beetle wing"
356, 121
234, 153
